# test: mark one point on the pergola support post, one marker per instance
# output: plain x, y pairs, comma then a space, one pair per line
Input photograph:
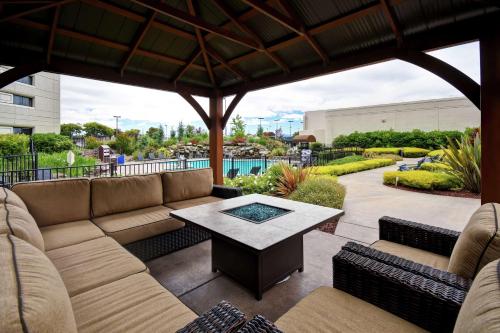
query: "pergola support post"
216, 137
490, 115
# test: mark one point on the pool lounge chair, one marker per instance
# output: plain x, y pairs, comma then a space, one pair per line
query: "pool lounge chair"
232, 173
255, 170
406, 167
151, 156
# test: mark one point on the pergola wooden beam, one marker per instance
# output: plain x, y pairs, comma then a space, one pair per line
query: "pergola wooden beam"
104, 42
18, 72
189, 63
34, 10
139, 18
450, 74
236, 21
52, 35
393, 21
197, 107
201, 43
239, 96
230, 67
138, 40
307, 36
275, 15
194, 21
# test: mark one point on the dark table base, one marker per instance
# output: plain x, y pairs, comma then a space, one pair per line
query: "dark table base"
257, 270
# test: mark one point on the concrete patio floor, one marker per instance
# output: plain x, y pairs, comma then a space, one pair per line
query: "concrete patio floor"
187, 273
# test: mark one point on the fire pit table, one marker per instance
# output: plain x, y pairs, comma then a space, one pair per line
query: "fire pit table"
257, 239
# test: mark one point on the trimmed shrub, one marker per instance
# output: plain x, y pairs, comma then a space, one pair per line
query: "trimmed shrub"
439, 152
322, 191
415, 138
91, 143
343, 169
51, 142
381, 150
278, 151
435, 167
14, 144
347, 159
415, 152
316, 146
393, 157
422, 179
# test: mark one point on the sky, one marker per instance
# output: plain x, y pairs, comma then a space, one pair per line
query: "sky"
84, 100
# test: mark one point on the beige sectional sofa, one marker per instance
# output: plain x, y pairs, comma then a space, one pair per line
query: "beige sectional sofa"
64, 268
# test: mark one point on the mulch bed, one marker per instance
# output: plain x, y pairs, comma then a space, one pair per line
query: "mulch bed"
460, 194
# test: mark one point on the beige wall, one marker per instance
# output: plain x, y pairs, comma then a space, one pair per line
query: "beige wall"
44, 116
439, 114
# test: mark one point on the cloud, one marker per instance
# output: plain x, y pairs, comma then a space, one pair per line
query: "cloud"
85, 100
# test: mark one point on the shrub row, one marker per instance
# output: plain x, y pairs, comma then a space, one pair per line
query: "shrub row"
321, 190
415, 138
435, 167
343, 169
415, 152
14, 144
347, 159
51, 143
406, 151
422, 179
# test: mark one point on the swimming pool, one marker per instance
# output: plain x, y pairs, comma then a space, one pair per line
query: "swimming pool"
244, 165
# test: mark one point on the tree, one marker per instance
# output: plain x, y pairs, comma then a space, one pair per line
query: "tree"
71, 130
260, 131
124, 143
172, 134
190, 131
133, 133
97, 130
238, 126
180, 131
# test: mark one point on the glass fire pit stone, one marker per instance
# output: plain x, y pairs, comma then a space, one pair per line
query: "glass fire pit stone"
256, 212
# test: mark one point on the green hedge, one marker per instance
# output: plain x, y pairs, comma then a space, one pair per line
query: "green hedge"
435, 167
322, 191
415, 152
422, 179
415, 138
51, 143
14, 144
343, 169
407, 151
381, 150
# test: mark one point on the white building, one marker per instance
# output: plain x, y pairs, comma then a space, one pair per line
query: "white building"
31, 105
437, 114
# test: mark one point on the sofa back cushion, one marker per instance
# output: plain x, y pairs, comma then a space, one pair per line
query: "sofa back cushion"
56, 201
32, 297
188, 184
7, 196
478, 244
18, 222
113, 195
480, 311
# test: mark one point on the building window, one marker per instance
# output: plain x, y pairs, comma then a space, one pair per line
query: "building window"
22, 130
22, 100
26, 80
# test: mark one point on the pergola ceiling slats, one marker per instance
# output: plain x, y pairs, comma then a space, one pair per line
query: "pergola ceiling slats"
233, 37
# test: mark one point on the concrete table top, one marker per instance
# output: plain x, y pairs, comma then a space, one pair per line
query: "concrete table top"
303, 218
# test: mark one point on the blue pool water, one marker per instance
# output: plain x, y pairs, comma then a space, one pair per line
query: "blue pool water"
243, 165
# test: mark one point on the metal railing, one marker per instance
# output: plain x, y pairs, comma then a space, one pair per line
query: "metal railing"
18, 162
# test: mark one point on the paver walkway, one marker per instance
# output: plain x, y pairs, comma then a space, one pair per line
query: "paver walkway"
368, 199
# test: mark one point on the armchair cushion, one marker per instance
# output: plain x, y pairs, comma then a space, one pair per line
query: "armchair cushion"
18, 222
331, 310
481, 309
70, 233
478, 244
410, 253
11, 198
187, 184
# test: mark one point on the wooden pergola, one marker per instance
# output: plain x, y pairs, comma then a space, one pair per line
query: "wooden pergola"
217, 48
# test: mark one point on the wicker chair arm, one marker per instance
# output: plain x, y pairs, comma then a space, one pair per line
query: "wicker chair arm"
431, 305
222, 318
437, 275
417, 235
226, 192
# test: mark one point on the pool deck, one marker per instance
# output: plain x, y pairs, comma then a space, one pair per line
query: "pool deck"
187, 273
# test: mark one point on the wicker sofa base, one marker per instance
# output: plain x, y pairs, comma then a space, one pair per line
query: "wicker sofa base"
161, 245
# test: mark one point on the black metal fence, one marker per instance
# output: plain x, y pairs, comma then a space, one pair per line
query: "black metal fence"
232, 167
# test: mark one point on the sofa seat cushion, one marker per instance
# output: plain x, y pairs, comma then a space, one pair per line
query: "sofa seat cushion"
93, 263
112, 195
32, 291
331, 310
479, 242
56, 201
70, 233
480, 311
192, 202
139, 224
18, 222
187, 184
137, 303
417, 255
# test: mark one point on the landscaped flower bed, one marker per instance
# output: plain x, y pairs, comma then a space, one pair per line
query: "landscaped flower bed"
343, 169
422, 179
